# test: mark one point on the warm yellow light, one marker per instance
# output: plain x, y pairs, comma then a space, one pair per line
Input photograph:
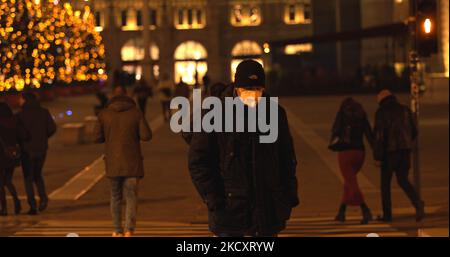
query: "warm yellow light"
266, 48
297, 49
428, 26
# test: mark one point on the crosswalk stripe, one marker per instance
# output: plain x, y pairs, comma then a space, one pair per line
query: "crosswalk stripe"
319, 145
311, 227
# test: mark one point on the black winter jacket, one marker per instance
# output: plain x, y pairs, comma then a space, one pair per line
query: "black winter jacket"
41, 126
249, 187
353, 127
12, 133
395, 128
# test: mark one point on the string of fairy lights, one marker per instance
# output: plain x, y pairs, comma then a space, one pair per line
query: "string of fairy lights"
43, 42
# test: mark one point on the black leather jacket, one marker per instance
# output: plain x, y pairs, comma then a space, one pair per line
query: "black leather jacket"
395, 128
352, 127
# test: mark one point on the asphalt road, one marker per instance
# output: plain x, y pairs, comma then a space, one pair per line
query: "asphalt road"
169, 205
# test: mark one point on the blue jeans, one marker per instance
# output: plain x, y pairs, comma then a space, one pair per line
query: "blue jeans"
121, 186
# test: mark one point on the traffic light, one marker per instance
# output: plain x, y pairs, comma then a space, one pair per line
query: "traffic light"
427, 31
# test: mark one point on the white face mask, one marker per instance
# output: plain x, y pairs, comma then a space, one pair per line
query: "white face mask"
249, 97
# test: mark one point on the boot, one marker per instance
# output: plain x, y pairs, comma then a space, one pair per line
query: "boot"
341, 214
3, 206
32, 212
384, 218
420, 210
43, 205
17, 206
367, 215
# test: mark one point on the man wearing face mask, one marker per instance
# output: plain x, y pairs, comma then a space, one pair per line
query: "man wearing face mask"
249, 187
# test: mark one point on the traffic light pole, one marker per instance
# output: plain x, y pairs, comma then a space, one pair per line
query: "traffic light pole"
414, 78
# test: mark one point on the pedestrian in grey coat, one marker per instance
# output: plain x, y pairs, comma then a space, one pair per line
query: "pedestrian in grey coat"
121, 126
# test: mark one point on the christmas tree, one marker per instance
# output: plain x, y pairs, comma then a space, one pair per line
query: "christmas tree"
43, 43
22, 45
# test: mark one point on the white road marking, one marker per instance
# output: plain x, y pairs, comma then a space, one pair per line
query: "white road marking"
308, 226
87, 178
320, 146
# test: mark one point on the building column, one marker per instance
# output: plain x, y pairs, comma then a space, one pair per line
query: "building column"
112, 45
166, 48
214, 46
147, 69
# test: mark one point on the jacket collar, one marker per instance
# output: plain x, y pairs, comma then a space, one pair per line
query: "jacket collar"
31, 105
388, 100
121, 103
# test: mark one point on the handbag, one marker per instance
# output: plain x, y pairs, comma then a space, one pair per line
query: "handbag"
12, 153
340, 142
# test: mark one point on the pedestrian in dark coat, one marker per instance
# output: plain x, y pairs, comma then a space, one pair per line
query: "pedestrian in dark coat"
395, 133
165, 95
349, 128
249, 187
121, 126
40, 124
142, 91
12, 135
181, 89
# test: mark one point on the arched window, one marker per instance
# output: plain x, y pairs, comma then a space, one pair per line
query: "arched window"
190, 62
133, 50
245, 50
132, 53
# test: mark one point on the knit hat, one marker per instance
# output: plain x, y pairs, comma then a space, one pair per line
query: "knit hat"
250, 73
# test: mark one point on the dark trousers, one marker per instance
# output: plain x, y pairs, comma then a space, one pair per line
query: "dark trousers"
398, 162
6, 177
32, 172
142, 103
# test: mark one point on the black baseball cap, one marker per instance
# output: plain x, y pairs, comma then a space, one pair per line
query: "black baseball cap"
250, 73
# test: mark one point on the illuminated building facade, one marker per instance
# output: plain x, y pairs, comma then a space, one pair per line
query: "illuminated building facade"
189, 38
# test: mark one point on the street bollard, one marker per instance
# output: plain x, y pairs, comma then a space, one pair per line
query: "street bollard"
72, 133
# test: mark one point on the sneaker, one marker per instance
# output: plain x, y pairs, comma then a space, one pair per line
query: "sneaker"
128, 234
117, 234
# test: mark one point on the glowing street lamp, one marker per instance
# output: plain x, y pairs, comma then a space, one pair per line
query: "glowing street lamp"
427, 25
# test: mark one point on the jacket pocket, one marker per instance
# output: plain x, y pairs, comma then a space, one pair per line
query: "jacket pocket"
235, 214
